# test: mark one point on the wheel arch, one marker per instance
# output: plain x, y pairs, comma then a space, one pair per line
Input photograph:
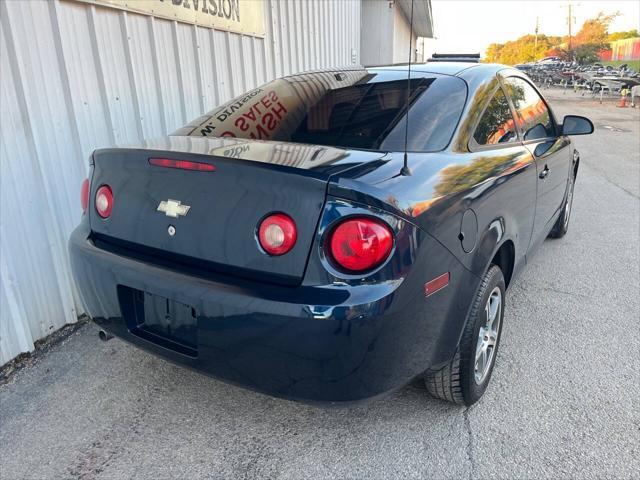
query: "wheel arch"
495, 248
504, 257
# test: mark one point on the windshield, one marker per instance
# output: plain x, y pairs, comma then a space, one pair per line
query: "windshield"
363, 109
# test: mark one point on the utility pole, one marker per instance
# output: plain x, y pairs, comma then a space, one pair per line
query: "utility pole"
570, 20
535, 48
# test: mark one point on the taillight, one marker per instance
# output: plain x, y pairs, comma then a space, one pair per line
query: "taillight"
359, 244
182, 164
104, 201
84, 195
277, 234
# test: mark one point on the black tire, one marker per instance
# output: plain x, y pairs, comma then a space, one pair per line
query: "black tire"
561, 226
456, 381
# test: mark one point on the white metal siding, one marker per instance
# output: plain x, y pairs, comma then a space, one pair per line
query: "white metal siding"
75, 77
385, 33
401, 37
377, 32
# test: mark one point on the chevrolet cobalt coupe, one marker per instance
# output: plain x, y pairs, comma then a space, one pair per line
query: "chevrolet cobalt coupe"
331, 236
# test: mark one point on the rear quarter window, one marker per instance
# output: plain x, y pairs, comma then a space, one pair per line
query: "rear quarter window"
433, 118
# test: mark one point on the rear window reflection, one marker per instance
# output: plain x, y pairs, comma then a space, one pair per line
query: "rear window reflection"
351, 109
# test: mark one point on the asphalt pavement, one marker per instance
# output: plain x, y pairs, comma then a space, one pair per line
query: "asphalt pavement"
563, 401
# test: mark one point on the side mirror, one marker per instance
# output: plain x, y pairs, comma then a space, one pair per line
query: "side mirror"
575, 125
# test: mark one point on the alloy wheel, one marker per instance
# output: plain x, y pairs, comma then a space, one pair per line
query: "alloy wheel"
488, 336
569, 204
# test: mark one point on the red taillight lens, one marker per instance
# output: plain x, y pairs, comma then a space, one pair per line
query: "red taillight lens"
277, 234
84, 195
104, 201
182, 164
359, 244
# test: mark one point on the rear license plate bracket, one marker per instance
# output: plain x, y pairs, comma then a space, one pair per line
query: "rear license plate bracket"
160, 320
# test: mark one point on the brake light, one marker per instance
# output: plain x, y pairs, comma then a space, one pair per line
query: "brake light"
104, 201
277, 234
182, 164
84, 195
359, 244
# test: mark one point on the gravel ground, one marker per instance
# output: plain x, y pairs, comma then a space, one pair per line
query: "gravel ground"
563, 402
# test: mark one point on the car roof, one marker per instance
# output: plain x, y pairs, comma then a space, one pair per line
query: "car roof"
460, 69
441, 68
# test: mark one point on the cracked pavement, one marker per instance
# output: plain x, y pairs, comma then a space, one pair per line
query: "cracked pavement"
563, 402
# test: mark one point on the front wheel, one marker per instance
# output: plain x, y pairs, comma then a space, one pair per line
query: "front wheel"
464, 379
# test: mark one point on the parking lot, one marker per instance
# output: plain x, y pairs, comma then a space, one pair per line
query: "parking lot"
563, 402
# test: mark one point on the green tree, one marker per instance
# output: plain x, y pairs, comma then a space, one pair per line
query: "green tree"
592, 37
493, 52
557, 52
595, 31
587, 53
520, 50
623, 35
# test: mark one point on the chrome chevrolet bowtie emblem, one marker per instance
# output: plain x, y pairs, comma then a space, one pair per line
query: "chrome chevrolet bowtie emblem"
173, 208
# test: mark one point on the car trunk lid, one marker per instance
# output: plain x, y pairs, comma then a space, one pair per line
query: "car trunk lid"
250, 180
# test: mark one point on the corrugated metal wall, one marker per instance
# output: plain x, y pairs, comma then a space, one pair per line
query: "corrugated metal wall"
377, 35
75, 77
626, 49
401, 38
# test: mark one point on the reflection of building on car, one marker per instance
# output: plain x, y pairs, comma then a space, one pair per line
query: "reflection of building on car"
344, 108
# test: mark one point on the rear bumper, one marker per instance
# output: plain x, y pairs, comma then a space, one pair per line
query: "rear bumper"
328, 343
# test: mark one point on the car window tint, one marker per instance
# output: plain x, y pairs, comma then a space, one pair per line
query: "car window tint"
534, 119
496, 124
432, 118
359, 116
364, 109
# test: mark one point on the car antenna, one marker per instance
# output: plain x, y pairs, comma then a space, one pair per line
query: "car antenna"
405, 167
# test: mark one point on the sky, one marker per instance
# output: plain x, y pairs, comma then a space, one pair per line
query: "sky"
469, 26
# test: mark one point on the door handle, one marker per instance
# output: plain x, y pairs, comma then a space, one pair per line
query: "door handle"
544, 173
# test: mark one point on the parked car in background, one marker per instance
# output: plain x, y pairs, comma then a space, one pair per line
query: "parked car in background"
331, 236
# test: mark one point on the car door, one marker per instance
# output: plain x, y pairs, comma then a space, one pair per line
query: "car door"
504, 167
550, 150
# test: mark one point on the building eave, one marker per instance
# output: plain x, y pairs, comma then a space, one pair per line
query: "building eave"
422, 17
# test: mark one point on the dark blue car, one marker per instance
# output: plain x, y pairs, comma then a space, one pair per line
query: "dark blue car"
331, 236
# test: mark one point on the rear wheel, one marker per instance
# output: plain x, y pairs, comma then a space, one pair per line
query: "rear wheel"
465, 377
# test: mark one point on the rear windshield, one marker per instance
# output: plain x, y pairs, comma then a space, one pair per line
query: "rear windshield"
351, 109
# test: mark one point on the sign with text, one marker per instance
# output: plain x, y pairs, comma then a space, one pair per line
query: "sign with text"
239, 16
259, 115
